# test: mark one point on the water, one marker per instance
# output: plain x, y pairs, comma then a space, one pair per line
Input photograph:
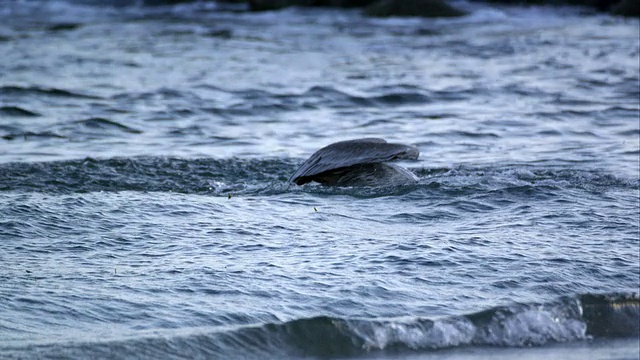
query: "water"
145, 210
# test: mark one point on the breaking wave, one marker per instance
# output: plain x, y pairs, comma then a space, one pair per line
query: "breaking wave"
566, 319
269, 176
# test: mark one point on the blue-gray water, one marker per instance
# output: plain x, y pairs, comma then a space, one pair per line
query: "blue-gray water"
145, 210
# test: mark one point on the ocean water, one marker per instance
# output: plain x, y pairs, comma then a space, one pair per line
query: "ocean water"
145, 210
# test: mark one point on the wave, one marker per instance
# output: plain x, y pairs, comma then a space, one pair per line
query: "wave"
269, 176
31, 134
256, 101
95, 127
106, 124
568, 319
38, 91
16, 111
144, 174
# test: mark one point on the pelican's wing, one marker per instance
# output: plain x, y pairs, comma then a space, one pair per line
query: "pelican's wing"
349, 153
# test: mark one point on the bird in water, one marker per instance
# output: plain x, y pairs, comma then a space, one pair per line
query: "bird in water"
359, 162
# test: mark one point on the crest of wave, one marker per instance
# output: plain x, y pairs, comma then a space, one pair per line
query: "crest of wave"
515, 325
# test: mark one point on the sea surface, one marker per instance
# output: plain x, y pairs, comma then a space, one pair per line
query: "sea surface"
145, 209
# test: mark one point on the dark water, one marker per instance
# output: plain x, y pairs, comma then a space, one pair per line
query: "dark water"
145, 210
